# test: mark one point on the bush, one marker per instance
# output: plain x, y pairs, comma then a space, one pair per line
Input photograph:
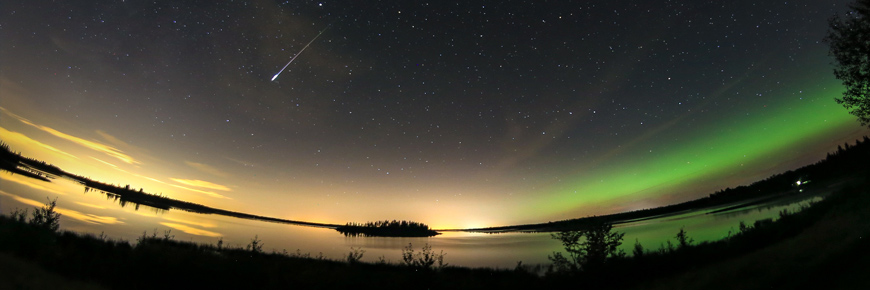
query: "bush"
45, 217
600, 244
256, 245
638, 249
355, 255
683, 239
423, 259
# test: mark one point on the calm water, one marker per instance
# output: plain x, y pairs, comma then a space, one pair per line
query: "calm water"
91, 212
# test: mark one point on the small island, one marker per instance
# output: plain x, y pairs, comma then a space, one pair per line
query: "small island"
387, 229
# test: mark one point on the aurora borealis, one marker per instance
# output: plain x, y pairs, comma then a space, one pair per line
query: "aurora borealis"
453, 114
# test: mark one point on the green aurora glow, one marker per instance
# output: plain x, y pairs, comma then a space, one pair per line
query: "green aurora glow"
748, 141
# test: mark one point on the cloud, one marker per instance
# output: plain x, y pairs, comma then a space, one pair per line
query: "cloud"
207, 169
112, 139
109, 150
11, 136
104, 162
201, 183
209, 193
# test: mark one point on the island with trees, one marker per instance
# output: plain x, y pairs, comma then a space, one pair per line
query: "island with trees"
385, 228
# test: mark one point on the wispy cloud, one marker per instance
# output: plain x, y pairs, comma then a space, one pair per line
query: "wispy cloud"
104, 162
209, 193
201, 183
109, 150
112, 139
207, 169
11, 136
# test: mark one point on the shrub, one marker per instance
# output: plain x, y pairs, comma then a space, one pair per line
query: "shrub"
355, 255
256, 245
638, 249
683, 239
423, 259
600, 244
46, 217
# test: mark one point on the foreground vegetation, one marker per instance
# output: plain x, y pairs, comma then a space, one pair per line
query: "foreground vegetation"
824, 244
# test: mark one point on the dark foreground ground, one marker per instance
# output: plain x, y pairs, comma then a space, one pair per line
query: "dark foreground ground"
832, 251
823, 247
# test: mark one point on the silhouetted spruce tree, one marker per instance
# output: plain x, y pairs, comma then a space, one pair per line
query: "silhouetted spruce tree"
849, 40
637, 252
600, 244
46, 217
683, 239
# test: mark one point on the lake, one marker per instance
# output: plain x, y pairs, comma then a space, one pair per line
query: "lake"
96, 213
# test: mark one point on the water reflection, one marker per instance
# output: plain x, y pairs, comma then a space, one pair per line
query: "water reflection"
191, 230
89, 218
95, 212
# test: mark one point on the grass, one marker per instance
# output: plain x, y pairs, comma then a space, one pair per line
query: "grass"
18, 273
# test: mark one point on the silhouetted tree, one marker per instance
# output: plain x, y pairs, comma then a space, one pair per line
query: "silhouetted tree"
683, 239
849, 40
423, 259
256, 245
19, 215
600, 243
638, 249
46, 217
355, 255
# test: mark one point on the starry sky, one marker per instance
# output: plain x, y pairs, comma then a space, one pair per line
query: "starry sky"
454, 114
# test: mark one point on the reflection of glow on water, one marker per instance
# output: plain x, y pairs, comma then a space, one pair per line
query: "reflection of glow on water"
88, 218
191, 230
27, 181
204, 225
90, 205
146, 214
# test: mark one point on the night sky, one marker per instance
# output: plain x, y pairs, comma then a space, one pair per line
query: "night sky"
453, 114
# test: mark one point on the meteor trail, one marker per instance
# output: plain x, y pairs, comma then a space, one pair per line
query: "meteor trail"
300, 52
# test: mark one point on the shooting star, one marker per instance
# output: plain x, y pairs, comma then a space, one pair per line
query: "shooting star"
298, 53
